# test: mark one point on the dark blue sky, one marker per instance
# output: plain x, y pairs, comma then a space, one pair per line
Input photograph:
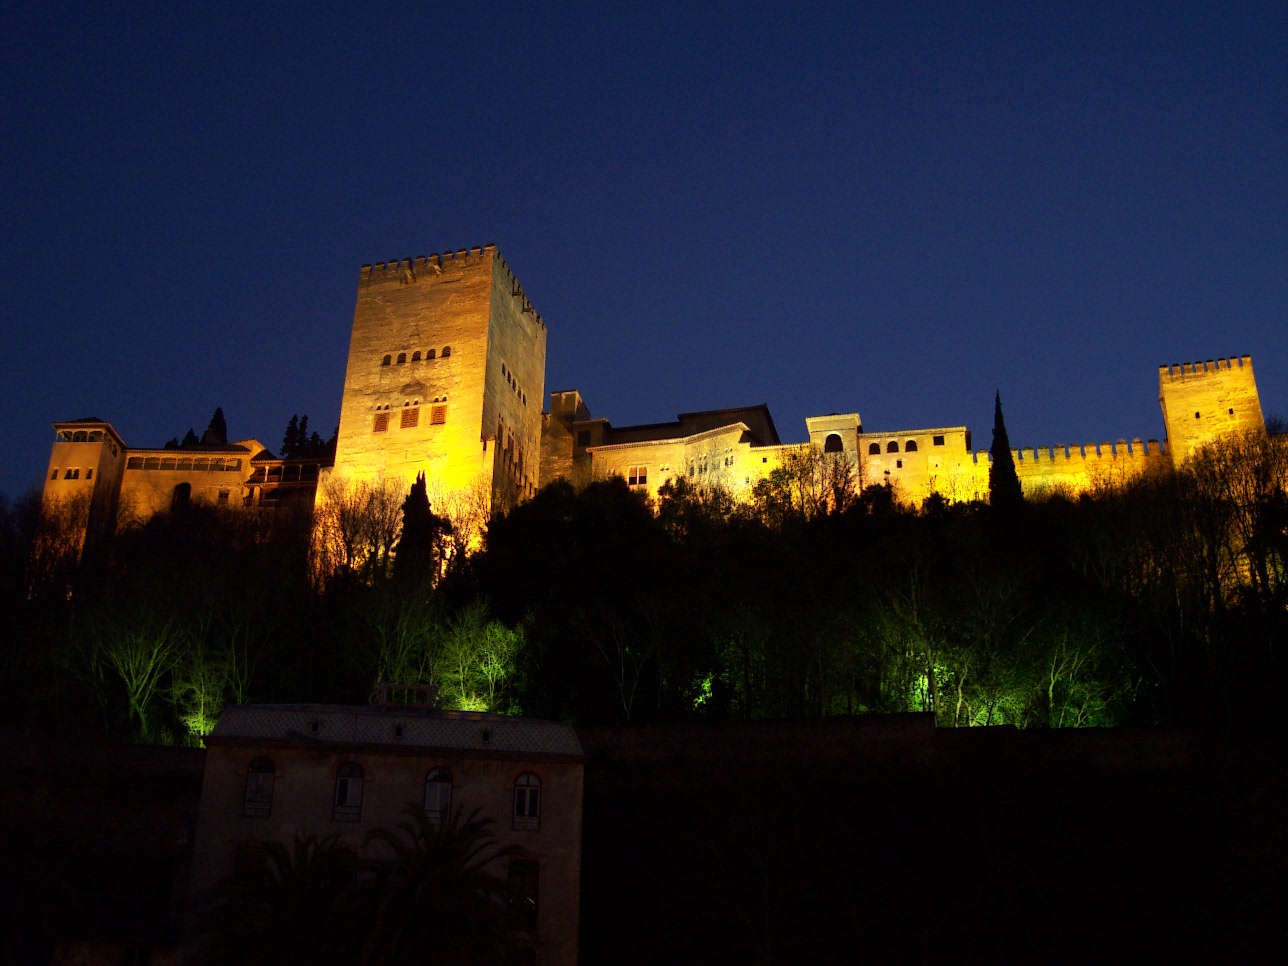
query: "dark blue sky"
825, 208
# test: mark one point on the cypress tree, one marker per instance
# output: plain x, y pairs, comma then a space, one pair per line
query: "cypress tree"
291, 439
1004, 491
190, 439
217, 432
420, 545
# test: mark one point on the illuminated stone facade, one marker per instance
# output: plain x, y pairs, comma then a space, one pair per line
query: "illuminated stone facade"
446, 377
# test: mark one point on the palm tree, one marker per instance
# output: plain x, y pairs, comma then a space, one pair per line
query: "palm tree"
283, 907
435, 902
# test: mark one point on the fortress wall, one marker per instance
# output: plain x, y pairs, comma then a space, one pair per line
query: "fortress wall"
947, 468
1084, 468
148, 491
1202, 401
514, 386
99, 466
408, 306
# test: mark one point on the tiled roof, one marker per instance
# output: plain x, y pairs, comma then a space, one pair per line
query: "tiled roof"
360, 725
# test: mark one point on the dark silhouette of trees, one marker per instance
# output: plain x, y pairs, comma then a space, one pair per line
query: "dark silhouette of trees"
435, 898
216, 433
422, 544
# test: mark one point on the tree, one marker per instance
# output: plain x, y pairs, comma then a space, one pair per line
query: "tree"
291, 439
1003, 482
216, 433
435, 899
420, 552
282, 907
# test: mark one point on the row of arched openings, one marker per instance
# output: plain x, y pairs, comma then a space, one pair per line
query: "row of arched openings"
346, 804
416, 357
910, 446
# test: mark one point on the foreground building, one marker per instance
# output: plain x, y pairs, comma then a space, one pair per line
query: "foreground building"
276, 771
446, 376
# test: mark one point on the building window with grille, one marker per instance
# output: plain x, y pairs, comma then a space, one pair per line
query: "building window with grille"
348, 793
524, 890
527, 801
258, 802
437, 415
410, 417
637, 476
381, 424
438, 795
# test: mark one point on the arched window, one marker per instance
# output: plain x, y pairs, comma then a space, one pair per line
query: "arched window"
181, 496
79, 436
874, 449
527, 801
348, 793
429, 353
415, 356
832, 444
447, 351
910, 446
258, 802
438, 795
892, 446
402, 357
386, 360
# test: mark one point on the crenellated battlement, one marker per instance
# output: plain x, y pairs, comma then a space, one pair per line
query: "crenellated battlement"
1180, 370
428, 267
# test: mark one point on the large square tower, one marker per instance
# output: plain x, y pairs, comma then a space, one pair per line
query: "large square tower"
446, 377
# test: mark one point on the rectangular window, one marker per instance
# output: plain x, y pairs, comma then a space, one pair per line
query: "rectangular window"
637, 476
72, 475
525, 882
938, 441
223, 496
89, 473
54, 474
437, 415
381, 424
898, 464
410, 417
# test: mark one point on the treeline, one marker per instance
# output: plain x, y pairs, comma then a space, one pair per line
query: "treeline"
1165, 601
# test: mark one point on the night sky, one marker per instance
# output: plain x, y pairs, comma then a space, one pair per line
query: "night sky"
824, 208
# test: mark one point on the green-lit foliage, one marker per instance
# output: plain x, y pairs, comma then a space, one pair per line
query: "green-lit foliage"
1166, 600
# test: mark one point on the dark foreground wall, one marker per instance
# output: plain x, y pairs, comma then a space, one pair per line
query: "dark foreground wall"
882, 840
864, 840
96, 844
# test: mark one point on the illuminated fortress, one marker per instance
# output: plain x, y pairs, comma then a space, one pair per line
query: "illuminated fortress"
446, 377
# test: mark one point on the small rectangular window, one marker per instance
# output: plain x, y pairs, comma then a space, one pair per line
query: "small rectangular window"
223, 496
89, 473
72, 475
437, 415
898, 464
410, 417
938, 440
637, 476
381, 424
54, 474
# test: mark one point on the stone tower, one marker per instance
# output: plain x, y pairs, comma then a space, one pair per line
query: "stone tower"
446, 377
1205, 400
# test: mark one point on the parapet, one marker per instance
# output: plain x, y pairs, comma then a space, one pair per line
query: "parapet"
1181, 370
410, 269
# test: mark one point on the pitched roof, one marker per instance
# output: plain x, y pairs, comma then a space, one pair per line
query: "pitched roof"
332, 724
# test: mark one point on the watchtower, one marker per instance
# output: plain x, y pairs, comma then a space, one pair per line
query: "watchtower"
1202, 401
446, 376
